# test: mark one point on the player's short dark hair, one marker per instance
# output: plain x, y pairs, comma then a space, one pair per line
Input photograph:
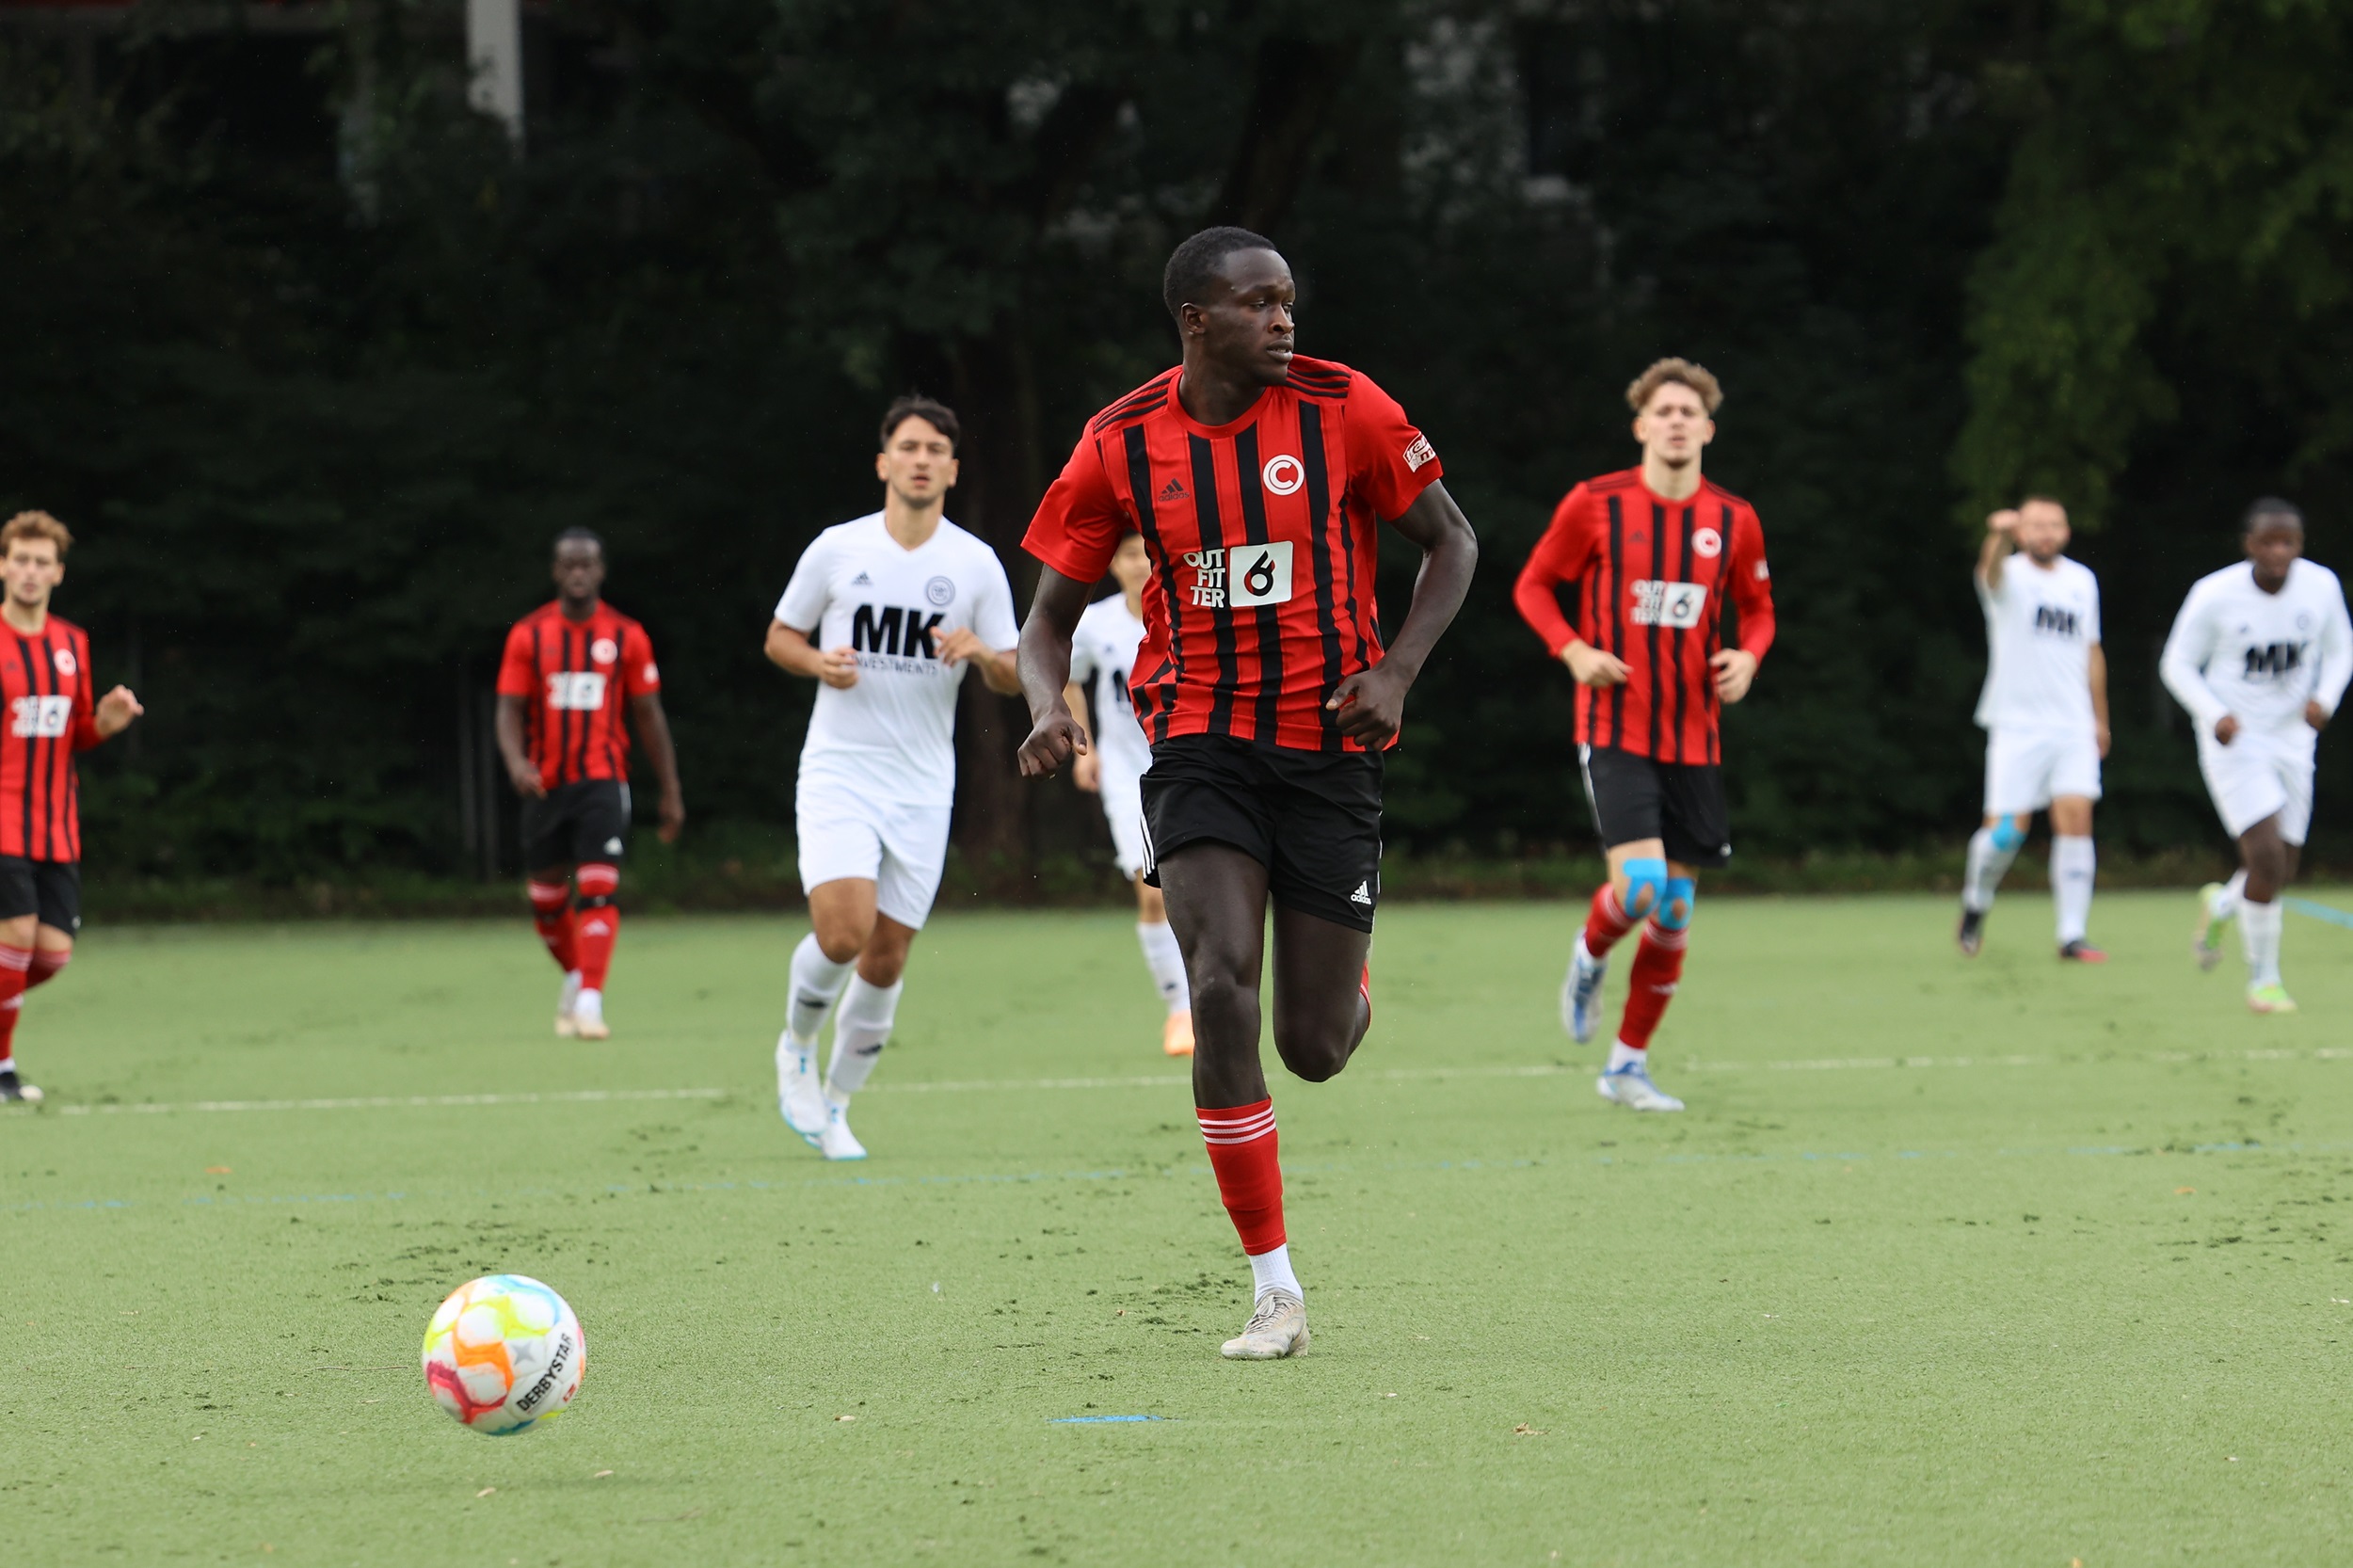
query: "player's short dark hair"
2268, 508
929, 410
577, 535
1193, 265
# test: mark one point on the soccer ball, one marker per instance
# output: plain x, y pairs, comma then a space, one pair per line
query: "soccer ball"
504, 1354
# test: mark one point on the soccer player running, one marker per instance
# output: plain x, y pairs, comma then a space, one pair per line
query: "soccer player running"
45, 677
572, 667
1651, 554
2044, 711
1259, 480
2260, 655
887, 614
1102, 660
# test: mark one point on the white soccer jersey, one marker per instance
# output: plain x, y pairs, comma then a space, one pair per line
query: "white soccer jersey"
1102, 655
2041, 626
892, 736
2237, 649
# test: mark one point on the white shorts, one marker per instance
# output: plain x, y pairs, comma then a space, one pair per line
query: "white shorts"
1122, 808
2027, 769
2261, 774
901, 849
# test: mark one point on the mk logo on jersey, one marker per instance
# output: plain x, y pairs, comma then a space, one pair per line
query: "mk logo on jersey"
2050, 617
901, 633
1261, 573
1671, 604
2276, 660
41, 717
576, 691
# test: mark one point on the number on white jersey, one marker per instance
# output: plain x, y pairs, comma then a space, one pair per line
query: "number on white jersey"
575, 691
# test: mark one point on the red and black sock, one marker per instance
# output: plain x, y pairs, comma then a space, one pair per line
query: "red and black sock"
596, 922
552, 912
1608, 921
46, 963
1658, 970
1242, 1151
15, 964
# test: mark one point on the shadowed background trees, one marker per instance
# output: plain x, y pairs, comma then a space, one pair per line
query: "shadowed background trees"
317, 364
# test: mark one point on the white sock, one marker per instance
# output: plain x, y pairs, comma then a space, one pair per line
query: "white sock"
7, 1063
817, 980
1620, 1053
859, 1033
2073, 861
1166, 961
1988, 865
2259, 936
1272, 1270
2225, 904
588, 1007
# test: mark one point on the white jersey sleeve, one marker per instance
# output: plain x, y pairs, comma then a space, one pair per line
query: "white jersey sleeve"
803, 606
2336, 649
2188, 649
993, 619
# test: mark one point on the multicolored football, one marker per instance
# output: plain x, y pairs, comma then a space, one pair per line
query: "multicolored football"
504, 1354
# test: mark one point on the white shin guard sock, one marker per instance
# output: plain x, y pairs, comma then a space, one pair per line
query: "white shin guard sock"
817, 980
1166, 961
1988, 865
1272, 1270
2224, 905
2259, 937
2072, 864
858, 1034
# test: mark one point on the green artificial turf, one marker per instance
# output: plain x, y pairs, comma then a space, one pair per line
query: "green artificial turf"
1948, 1262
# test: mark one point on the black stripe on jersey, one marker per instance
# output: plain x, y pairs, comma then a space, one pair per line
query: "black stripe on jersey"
1327, 605
45, 748
1139, 489
1267, 616
1683, 686
613, 699
1658, 574
1140, 401
1716, 639
578, 718
1612, 618
535, 724
72, 818
1214, 538
32, 744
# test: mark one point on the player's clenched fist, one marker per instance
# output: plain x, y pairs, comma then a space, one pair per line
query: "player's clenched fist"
838, 667
1057, 737
1593, 667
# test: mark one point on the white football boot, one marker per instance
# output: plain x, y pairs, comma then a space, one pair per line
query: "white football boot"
565, 999
2213, 913
1277, 1328
589, 1017
837, 1142
1631, 1087
800, 1097
1580, 993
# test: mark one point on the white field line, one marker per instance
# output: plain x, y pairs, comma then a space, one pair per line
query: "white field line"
1169, 1080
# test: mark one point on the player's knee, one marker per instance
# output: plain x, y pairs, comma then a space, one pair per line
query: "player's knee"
598, 883
1674, 906
1314, 1050
1645, 885
2009, 833
548, 897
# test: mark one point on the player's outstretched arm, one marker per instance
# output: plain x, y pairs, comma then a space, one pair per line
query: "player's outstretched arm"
1055, 732
653, 733
1371, 703
520, 771
2001, 538
789, 648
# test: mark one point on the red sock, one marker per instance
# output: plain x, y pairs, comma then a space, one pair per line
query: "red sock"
46, 963
1606, 924
597, 923
14, 964
1657, 969
1242, 1145
552, 912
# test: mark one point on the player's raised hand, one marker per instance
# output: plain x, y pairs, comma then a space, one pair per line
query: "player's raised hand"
1055, 740
1593, 667
117, 708
1372, 705
1735, 668
838, 667
2004, 522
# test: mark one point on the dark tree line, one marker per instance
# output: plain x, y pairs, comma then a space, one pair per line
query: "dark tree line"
317, 366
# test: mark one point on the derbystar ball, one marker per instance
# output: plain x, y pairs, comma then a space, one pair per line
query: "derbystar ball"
504, 1354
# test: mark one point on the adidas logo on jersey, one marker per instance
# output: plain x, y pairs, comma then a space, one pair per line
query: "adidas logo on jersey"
1172, 491
1363, 893
861, 580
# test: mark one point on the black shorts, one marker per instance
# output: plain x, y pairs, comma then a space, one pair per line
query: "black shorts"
583, 821
1311, 818
51, 890
1680, 803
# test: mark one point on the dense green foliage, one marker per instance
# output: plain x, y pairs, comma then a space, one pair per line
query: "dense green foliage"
317, 367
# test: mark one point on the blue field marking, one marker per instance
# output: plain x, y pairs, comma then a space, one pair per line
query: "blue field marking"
2319, 911
1081, 1420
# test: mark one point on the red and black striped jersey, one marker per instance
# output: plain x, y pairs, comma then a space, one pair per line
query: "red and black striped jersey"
575, 678
1650, 577
45, 680
1264, 533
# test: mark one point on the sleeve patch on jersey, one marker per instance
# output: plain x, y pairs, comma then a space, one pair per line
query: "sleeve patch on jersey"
654, 674
1419, 452
1763, 572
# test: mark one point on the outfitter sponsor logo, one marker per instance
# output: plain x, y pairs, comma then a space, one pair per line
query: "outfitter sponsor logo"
576, 691
41, 717
1676, 605
1243, 577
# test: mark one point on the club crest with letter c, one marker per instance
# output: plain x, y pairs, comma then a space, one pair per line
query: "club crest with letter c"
1284, 473
1707, 544
605, 650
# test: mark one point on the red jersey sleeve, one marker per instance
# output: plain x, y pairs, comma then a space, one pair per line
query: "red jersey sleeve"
518, 676
1389, 461
1561, 556
639, 673
86, 733
1752, 583
1078, 524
